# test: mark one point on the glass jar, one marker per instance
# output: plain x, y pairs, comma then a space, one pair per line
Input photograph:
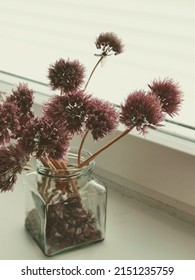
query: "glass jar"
66, 207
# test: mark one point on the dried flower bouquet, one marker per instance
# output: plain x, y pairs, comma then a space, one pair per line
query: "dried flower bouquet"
72, 111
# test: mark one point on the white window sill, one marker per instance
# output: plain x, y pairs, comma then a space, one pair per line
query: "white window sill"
134, 231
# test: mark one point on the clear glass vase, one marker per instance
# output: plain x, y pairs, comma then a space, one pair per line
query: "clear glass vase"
66, 207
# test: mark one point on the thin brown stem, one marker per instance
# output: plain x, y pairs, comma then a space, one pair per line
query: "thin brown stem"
122, 134
64, 164
46, 162
102, 56
86, 133
56, 163
81, 146
61, 168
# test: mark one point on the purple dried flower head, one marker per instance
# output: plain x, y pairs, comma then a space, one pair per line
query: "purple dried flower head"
66, 75
169, 94
9, 121
11, 118
141, 110
16, 110
69, 110
23, 120
22, 96
109, 43
44, 137
4, 132
13, 161
52, 139
102, 118
12, 121
27, 142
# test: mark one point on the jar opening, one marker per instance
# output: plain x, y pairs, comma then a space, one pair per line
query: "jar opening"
70, 169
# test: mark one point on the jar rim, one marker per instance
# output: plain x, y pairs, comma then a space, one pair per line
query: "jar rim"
72, 169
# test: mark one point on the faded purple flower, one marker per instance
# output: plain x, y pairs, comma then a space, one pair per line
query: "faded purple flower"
4, 132
16, 111
44, 137
22, 96
13, 161
102, 118
52, 139
169, 94
109, 43
68, 110
141, 110
11, 118
27, 142
10, 126
66, 75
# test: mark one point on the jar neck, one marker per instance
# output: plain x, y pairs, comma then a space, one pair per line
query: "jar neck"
69, 169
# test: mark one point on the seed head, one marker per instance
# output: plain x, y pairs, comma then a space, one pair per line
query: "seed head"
102, 118
109, 43
67, 75
12, 162
22, 96
44, 137
169, 94
69, 110
141, 110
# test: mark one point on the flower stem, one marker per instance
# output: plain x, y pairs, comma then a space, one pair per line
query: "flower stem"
102, 56
86, 133
122, 134
81, 146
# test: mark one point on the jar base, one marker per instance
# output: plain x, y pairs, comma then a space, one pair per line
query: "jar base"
54, 246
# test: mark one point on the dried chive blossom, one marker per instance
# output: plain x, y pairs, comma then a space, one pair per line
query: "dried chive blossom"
102, 118
15, 112
68, 110
45, 137
52, 140
22, 96
109, 43
4, 125
141, 110
169, 94
66, 75
11, 119
12, 163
